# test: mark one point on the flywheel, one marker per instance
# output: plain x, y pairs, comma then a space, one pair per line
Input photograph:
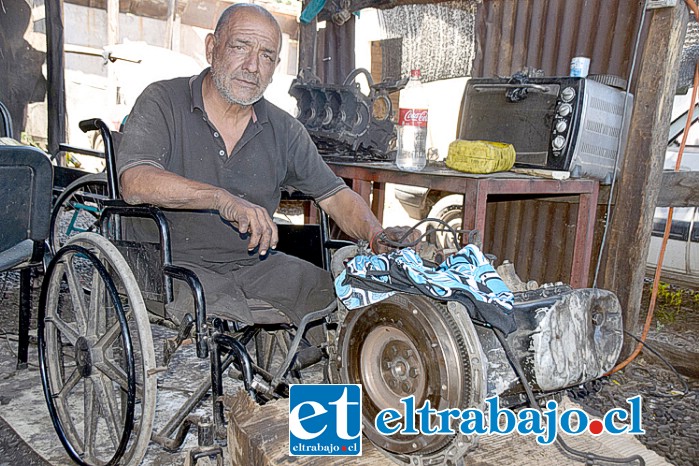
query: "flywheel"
412, 345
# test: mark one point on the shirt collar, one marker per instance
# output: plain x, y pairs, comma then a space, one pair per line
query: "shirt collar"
259, 108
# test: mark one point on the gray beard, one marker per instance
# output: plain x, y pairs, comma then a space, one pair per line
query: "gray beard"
226, 94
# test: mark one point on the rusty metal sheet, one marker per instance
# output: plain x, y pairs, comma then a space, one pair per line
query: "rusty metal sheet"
538, 236
546, 34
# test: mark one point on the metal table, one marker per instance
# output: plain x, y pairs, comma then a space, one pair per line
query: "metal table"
368, 178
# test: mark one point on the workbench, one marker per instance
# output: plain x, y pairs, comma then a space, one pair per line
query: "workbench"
369, 180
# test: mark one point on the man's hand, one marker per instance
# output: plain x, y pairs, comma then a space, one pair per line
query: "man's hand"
394, 238
249, 218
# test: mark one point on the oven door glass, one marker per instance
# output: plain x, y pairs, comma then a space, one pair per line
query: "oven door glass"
527, 124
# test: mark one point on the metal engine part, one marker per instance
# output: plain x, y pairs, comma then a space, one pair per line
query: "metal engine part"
342, 121
564, 337
414, 345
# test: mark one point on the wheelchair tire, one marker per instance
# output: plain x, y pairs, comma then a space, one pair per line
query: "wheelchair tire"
96, 354
411, 345
78, 209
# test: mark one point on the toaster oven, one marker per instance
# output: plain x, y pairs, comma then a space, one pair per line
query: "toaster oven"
555, 123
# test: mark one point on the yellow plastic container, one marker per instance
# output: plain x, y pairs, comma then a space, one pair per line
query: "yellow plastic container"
480, 156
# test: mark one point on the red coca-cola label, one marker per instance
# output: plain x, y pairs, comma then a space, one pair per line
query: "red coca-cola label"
413, 117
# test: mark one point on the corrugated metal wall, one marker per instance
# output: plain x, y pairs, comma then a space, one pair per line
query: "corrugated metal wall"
537, 236
545, 34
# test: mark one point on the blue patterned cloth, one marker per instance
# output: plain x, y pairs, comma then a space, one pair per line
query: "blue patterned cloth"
466, 276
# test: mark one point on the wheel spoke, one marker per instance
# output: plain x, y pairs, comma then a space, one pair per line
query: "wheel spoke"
68, 385
117, 375
105, 396
96, 317
64, 327
77, 295
62, 406
91, 416
111, 334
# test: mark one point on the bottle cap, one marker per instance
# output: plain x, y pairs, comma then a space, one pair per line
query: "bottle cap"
415, 73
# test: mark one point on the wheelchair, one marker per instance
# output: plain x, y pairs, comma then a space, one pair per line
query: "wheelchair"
99, 369
98, 364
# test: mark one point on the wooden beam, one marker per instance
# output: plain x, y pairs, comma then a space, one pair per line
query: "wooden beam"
679, 189
112, 22
56, 92
308, 36
623, 264
259, 435
684, 361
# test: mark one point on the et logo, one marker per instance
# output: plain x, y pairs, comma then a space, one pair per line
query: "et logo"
325, 420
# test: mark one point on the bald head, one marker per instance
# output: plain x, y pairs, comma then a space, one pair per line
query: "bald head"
244, 8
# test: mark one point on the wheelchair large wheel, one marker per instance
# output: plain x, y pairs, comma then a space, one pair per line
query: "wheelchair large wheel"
96, 354
78, 209
410, 345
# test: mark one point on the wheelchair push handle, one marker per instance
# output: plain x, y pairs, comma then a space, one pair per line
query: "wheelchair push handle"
93, 124
97, 124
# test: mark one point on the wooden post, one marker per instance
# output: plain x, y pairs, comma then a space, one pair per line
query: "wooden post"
112, 39
623, 263
170, 23
112, 22
56, 92
307, 44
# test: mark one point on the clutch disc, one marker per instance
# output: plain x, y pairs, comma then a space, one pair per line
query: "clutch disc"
411, 345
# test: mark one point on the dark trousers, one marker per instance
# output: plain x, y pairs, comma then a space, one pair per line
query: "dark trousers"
291, 285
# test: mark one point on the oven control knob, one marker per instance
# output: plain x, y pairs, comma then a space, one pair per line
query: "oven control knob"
568, 94
564, 110
558, 142
561, 126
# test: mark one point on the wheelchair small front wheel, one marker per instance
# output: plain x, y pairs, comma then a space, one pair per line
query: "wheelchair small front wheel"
96, 354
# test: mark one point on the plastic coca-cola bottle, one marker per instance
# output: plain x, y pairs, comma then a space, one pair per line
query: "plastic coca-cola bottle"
412, 126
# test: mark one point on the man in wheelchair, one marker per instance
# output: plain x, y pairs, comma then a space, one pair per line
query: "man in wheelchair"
214, 153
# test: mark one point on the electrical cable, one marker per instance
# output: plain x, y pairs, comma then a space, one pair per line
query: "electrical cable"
12, 337
587, 456
608, 212
667, 363
401, 242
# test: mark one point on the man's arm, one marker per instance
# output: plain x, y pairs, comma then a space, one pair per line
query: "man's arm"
352, 214
354, 217
145, 184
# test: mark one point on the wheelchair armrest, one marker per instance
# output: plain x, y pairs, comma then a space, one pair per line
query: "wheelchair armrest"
109, 222
189, 277
115, 208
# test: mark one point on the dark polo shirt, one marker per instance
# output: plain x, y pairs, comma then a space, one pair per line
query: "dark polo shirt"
168, 128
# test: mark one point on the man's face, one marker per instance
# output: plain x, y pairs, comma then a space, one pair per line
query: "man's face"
243, 57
